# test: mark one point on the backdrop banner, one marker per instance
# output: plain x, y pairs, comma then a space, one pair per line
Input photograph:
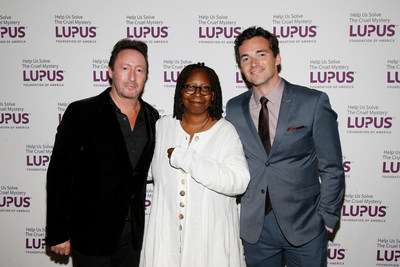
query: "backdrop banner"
54, 52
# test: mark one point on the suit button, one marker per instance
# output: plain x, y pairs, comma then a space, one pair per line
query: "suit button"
182, 193
181, 216
262, 191
267, 164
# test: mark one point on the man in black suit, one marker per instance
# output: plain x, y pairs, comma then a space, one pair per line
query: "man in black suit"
96, 180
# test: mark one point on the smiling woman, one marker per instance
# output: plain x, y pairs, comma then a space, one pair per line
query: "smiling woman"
194, 217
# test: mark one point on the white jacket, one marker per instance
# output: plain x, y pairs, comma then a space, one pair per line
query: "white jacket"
194, 219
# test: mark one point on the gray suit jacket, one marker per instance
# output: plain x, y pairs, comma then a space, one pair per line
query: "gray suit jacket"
303, 172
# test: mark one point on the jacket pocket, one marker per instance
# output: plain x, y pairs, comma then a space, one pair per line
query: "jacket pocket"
307, 192
297, 130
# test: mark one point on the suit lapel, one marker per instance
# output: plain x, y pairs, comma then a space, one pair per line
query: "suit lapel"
284, 113
107, 117
150, 124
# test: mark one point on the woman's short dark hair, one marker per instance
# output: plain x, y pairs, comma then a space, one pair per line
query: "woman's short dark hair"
128, 44
215, 108
254, 32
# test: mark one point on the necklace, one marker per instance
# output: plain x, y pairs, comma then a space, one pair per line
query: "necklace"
204, 123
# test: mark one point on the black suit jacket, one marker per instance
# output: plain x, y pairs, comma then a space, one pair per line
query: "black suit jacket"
90, 179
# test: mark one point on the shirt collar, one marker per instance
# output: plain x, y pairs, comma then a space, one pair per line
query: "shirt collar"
274, 96
115, 107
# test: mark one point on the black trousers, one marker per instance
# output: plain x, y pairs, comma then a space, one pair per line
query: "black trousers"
124, 256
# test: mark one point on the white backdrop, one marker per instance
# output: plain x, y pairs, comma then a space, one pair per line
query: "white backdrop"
54, 52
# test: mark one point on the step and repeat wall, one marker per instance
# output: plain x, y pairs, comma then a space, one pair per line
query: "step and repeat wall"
55, 52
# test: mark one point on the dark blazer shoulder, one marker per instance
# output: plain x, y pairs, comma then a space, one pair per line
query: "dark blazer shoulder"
94, 104
91, 104
152, 112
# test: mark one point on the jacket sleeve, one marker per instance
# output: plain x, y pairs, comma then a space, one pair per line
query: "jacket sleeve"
329, 154
68, 143
229, 175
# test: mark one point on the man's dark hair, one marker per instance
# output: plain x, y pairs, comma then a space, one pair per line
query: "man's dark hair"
254, 32
128, 44
215, 108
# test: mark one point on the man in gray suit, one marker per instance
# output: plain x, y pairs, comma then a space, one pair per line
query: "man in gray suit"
297, 177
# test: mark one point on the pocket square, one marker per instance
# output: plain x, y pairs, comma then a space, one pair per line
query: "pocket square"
296, 128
